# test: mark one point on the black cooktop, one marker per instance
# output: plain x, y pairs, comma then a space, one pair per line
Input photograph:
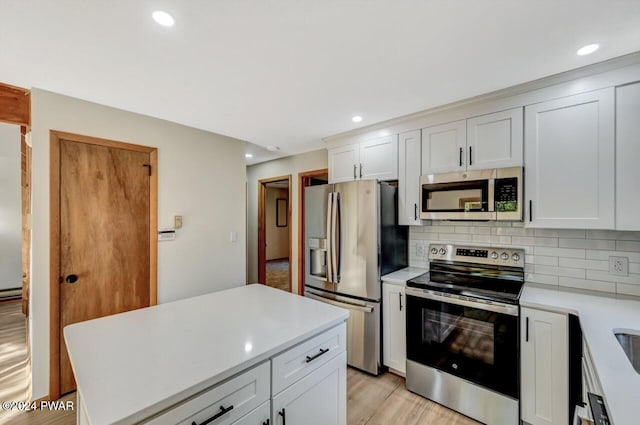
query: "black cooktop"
494, 283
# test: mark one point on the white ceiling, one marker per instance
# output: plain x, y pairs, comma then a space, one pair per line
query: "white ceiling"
289, 72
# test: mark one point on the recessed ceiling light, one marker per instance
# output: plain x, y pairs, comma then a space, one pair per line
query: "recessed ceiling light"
357, 118
163, 18
588, 49
248, 155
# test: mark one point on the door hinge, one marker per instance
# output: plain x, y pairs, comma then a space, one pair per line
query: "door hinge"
147, 165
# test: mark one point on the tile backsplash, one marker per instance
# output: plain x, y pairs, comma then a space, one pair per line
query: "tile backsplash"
558, 257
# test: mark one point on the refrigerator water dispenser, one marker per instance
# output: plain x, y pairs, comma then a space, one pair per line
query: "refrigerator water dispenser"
318, 260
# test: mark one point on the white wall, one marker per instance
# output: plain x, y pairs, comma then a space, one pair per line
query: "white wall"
293, 165
192, 164
277, 237
10, 208
570, 258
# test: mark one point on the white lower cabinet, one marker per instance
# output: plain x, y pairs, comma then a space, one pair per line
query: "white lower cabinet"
319, 398
544, 356
394, 337
260, 416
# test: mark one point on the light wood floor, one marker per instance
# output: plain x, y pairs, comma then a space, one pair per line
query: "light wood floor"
381, 400
278, 274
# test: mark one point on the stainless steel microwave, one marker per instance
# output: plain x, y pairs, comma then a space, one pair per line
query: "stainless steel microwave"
483, 195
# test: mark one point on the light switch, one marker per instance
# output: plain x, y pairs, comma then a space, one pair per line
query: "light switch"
233, 237
177, 221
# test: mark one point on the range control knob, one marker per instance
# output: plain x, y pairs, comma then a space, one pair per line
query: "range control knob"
515, 257
494, 255
504, 256
434, 250
442, 251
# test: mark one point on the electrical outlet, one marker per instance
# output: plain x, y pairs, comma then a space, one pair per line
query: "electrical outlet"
619, 266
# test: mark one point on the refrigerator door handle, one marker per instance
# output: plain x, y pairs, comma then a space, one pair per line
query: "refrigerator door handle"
337, 236
329, 245
350, 306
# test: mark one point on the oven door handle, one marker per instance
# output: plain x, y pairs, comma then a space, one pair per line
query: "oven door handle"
511, 310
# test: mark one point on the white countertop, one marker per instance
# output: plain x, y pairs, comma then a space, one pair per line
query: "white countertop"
400, 277
599, 316
132, 365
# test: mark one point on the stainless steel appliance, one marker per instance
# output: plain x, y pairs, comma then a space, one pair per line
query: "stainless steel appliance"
352, 239
494, 194
463, 331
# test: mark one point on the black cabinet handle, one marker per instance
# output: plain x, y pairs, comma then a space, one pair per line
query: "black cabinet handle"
527, 329
530, 210
284, 417
361, 170
312, 358
470, 157
223, 411
354, 171
415, 211
72, 278
461, 157
400, 297
266, 422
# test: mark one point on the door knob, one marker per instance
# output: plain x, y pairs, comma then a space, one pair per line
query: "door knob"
72, 278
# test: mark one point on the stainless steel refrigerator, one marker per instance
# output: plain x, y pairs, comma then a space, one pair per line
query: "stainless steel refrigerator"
352, 238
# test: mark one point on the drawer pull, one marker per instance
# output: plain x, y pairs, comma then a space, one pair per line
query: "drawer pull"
284, 416
223, 411
266, 422
312, 358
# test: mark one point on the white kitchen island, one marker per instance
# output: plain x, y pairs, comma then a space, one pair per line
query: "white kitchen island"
248, 355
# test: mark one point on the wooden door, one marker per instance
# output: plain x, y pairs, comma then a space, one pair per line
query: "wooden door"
444, 148
343, 164
379, 158
104, 249
495, 140
544, 356
409, 179
570, 162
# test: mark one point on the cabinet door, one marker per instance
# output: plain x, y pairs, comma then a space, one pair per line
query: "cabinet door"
394, 327
379, 158
319, 398
409, 179
495, 140
627, 157
343, 163
569, 161
544, 354
443, 148
260, 416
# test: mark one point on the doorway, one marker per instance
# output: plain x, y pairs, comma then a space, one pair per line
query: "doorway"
103, 236
274, 232
306, 179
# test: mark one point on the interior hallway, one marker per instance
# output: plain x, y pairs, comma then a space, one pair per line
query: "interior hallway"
278, 274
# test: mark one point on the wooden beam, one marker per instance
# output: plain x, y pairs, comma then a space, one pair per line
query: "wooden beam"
15, 105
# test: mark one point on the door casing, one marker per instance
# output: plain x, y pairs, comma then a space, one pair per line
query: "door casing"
54, 239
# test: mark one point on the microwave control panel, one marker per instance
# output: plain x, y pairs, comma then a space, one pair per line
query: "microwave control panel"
506, 194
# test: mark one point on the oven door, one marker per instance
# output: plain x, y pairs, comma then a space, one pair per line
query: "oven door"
474, 341
458, 196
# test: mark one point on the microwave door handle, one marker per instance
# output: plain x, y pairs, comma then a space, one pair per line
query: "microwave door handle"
492, 200
337, 237
329, 251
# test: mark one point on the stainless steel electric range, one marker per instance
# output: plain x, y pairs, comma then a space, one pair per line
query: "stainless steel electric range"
463, 332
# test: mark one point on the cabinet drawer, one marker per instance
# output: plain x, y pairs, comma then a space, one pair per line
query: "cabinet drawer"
238, 396
260, 416
302, 359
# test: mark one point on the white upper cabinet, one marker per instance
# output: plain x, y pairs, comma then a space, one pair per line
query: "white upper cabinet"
343, 163
443, 147
371, 159
379, 158
569, 162
495, 140
409, 178
628, 157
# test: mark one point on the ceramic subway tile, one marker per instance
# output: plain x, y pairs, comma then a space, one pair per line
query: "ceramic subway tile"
512, 231
481, 238
627, 289
633, 279
628, 246
592, 285
559, 252
544, 260
560, 233
444, 229
587, 243
633, 257
541, 278
454, 237
612, 234
579, 263
560, 271
634, 268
